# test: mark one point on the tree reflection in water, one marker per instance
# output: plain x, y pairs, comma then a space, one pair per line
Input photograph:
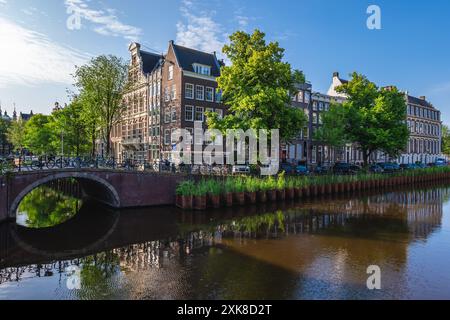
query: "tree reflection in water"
50, 204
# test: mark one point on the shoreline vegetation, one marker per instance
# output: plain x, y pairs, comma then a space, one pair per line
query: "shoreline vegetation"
244, 190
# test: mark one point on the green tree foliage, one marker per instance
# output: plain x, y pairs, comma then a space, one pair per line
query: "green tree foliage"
4, 125
70, 122
256, 88
101, 83
16, 135
39, 136
372, 117
46, 207
445, 140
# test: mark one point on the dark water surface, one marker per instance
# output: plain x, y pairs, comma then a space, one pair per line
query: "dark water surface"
297, 250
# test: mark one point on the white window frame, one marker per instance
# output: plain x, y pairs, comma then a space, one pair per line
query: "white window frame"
211, 89
202, 110
171, 72
192, 89
192, 113
202, 91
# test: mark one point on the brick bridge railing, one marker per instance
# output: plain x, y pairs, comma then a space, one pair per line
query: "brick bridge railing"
118, 189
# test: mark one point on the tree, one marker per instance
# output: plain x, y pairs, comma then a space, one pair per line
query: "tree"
445, 140
257, 88
373, 118
16, 135
39, 135
70, 123
4, 125
102, 83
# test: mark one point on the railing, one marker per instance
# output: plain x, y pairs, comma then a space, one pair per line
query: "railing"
42, 163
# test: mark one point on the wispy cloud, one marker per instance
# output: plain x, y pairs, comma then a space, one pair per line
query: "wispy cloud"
199, 30
105, 21
441, 88
29, 58
2, 2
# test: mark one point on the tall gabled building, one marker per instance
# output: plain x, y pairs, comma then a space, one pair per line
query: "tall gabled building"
168, 92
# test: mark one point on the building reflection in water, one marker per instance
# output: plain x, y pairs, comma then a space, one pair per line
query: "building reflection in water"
353, 231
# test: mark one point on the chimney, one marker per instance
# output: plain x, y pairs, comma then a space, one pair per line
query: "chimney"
423, 98
336, 74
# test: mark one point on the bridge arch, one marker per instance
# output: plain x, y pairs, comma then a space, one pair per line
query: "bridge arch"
92, 185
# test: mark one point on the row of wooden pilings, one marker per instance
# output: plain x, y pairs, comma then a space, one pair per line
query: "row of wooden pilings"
203, 202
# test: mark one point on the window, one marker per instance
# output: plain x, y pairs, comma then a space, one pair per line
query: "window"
167, 136
170, 72
219, 96
189, 113
174, 92
300, 96
191, 133
173, 115
166, 94
189, 91
202, 69
167, 115
199, 114
220, 113
209, 94
307, 96
174, 135
200, 92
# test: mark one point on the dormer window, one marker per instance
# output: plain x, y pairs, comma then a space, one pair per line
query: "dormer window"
202, 69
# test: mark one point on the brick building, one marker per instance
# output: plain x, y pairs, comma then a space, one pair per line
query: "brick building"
168, 92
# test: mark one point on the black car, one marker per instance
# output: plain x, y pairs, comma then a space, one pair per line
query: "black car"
322, 169
287, 168
345, 168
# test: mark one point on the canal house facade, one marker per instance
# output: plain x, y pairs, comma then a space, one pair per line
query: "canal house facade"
424, 124
168, 92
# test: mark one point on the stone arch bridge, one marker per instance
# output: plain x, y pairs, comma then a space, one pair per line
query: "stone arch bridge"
117, 189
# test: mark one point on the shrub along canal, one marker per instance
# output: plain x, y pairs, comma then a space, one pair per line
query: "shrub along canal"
294, 249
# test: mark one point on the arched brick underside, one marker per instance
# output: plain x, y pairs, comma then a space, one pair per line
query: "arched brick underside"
93, 187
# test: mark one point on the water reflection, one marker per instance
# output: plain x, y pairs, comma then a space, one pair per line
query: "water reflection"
317, 250
50, 204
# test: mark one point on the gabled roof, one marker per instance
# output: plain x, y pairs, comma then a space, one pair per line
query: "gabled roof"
186, 57
419, 101
149, 61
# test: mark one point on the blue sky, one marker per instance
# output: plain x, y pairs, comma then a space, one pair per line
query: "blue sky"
412, 50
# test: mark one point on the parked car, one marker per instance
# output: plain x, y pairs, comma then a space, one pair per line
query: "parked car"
408, 166
345, 168
241, 169
301, 170
441, 162
322, 169
389, 167
374, 168
421, 165
287, 168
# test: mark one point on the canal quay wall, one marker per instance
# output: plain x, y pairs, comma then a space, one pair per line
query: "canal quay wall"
122, 189
118, 189
309, 191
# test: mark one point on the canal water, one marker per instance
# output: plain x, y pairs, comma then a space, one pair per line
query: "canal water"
64, 248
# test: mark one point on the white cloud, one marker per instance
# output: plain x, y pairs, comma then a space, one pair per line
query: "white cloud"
200, 32
29, 58
3, 1
106, 22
